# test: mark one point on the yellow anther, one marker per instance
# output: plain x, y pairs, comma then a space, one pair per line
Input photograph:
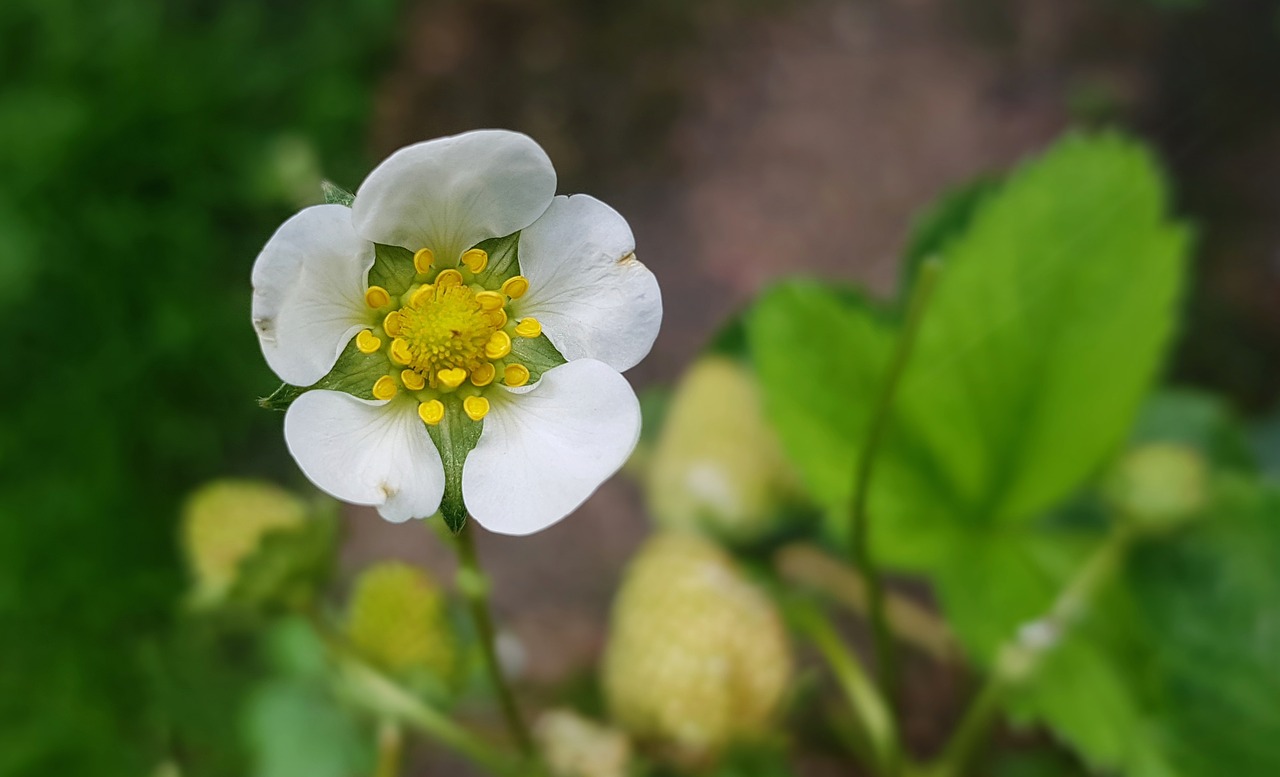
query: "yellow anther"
422, 295
476, 408
385, 388
515, 287
498, 317
400, 353
452, 378
484, 374
515, 375
367, 341
431, 412
412, 380
499, 345
476, 259
491, 300
376, 297
392, 323
528, 327
449, 278
422, 259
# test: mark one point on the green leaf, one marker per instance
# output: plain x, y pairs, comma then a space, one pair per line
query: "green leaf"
942, 223
354, 373
336, 195
1046, 329
455, 437
819, 355
296, 728
392, 269
1198, 420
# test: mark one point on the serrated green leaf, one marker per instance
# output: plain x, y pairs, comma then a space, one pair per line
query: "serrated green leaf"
819, 357
503, 260
392, 269
354, 373
455, 437
336, 195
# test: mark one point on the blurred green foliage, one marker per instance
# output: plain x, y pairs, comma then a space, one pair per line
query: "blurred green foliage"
133, 140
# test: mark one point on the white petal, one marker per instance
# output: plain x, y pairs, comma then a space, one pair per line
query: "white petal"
450, 193
308, 292
367, 452
546, 448
594, 298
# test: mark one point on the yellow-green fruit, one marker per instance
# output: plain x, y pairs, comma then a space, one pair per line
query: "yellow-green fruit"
397, 619
718, 464
1159, 484
573, 746
697, 655
224, 523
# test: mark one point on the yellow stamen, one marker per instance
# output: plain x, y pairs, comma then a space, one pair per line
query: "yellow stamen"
452, 378
499, 318
392, 323
529, 327
422, 259
367, 341
484, 374
422, 295
448, 278
476, 408
376, 297
400, 353
431, 412
412, 380
515, 375
491, 300
499, 345
515, 287
476, 260
385, 388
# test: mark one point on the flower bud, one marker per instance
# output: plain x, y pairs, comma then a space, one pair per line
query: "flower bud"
223, 525
697, 655
574, 746
718, 466
397, 618
1159, 485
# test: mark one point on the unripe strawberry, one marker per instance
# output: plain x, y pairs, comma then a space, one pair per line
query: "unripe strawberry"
1159, 485
397, 618
697, 655
718, 465
574, 746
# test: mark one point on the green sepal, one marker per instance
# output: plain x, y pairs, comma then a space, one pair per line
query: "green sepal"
537, 354
454, 437
336, 195
354, 373
503, 260
289, 567
392, 269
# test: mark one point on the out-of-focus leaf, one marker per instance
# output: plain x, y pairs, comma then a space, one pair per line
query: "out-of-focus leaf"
1048, 324
295, 729
944, 221
1196, 419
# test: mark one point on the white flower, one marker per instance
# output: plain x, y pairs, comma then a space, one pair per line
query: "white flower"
460, 348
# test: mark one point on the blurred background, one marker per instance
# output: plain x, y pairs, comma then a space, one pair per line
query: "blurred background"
148, 150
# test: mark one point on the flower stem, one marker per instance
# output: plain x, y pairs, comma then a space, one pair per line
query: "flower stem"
1021, 657
474, 587
390, 749
860, 550
872, 712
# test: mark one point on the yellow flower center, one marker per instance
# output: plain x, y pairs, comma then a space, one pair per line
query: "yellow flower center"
449, 333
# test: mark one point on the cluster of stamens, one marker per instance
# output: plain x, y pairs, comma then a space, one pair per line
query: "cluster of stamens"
447, 334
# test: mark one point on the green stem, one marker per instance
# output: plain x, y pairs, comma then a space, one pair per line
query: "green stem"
390, 749
1020, 658
860, 550
872, 712
474, 587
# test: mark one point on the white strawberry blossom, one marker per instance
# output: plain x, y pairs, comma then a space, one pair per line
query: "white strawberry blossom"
545, 444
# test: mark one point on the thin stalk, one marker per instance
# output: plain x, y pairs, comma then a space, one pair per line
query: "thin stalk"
1021, 657
474, 587
860, 550
873, 714
390, 749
